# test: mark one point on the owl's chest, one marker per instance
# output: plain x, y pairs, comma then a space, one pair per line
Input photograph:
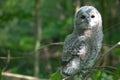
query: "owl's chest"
75, 43
83, 45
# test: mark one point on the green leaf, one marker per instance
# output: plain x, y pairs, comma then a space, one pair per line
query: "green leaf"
96, 75
117, 74
117, 51
55, 76
0, 74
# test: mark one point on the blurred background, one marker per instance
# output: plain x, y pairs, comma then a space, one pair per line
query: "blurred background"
32, 34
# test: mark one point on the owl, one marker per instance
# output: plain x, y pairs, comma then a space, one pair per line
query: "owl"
82, 46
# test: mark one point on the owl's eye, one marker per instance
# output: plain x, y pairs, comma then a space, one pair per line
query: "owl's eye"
82, 17
92, 16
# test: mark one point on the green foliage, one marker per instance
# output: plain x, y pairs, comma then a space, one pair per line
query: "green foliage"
101, 75
55, 76
17, 34
117, 51
104, 76
116, 75
0, 74
96, 75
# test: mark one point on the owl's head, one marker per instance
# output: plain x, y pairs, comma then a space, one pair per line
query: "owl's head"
87, 17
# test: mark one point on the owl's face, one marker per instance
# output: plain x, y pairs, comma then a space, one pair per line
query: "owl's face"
87, 17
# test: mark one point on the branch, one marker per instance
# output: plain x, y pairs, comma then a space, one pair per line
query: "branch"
103, 67
52, 44
68, 77
106, 53
89, 70
6, 58
11, 75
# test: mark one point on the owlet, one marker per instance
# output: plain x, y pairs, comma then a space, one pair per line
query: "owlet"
82, 46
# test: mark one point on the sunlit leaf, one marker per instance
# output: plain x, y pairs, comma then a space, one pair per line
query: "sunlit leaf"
55, 76
96, 75
0, 74
116, 75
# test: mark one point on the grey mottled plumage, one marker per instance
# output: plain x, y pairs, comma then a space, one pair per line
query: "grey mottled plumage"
82, 46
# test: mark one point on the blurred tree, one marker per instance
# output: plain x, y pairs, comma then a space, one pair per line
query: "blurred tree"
37, 23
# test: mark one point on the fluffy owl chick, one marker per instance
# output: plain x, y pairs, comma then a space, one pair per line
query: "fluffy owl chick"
83, 45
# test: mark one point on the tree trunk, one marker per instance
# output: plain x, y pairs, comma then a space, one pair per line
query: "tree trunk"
37, 24
78, 3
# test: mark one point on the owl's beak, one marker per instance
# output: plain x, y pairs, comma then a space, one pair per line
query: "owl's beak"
88, 20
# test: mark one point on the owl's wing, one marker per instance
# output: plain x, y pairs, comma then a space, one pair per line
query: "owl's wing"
73, 46
67, 48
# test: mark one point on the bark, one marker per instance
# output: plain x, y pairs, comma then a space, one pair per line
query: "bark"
37, 23
8, 76
78, 3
